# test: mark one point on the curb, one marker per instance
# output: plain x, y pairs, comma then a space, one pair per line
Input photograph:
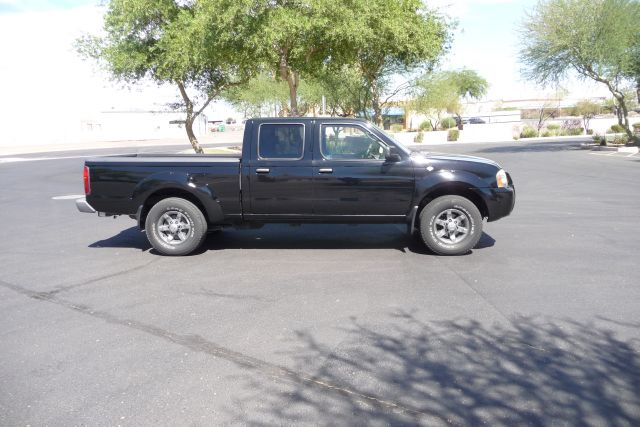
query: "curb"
598, 147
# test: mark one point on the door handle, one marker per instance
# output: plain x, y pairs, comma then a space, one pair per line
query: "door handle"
325, 170
262, 170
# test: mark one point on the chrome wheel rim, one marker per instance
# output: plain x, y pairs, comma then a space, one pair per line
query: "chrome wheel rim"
173, 227
451, 226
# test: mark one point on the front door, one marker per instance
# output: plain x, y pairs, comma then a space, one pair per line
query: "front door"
281, 173
353, 178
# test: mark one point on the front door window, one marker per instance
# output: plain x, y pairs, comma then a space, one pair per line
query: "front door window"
350, 142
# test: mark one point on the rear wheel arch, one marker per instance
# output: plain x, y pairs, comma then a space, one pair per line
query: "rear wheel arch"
166, 193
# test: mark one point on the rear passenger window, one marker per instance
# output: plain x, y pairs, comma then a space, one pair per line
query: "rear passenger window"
281, 141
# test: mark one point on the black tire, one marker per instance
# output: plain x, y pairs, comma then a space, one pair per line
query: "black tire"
459, 210
181, 213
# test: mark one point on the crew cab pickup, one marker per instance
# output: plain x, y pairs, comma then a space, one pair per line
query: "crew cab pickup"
301, 170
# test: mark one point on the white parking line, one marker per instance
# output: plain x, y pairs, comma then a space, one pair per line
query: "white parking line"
614, 154
608, 153
34, 159
68, 197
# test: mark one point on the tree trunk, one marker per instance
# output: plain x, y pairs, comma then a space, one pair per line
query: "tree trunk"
293, 80
191, 117
585, 123
192, 136
623, 115
375, 104
638, 90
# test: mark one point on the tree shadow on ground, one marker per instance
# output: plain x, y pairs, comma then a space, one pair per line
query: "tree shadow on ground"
307, 236
403, 371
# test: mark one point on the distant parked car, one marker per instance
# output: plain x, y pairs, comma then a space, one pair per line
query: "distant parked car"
473, 121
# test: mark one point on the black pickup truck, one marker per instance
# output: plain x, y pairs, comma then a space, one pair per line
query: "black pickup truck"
300, 170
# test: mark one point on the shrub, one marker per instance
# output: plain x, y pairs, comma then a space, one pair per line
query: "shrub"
448, 123
546, 133
620, 139
589, 131
575, 131
419, 138
616, 128
570, 127
528, 132
426, 126
395, 128
553, 126
453, 135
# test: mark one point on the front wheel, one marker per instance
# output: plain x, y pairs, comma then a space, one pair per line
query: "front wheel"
450, 225
175, 226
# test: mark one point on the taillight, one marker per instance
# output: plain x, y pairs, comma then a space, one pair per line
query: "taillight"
87, 181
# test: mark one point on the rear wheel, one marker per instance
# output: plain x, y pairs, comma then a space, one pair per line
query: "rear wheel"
450, 225
175, 226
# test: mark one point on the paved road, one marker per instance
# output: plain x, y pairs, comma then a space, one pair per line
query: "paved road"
327, 324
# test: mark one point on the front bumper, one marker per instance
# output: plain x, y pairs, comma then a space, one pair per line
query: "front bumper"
500, 202
84, 207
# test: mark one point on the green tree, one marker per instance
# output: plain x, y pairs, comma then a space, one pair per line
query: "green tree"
470, 85
436, 93
384, 38
587, 109
345, 91
290, 39
196, 46
262, 95
592, 38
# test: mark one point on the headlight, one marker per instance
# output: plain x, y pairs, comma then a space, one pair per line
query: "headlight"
501, 179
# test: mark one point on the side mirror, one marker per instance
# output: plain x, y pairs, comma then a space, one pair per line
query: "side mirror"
393, 155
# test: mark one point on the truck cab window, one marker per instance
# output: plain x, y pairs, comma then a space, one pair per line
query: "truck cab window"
350, 142
281, 141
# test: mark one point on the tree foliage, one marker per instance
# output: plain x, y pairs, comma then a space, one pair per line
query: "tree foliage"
593, 39
444, 91
262, 95
314, 41
289, 37
383, 38
470, 84
197, 46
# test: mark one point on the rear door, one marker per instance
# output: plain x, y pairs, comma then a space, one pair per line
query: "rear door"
353, 178
280, 170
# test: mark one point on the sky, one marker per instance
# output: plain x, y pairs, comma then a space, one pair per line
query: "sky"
43, 82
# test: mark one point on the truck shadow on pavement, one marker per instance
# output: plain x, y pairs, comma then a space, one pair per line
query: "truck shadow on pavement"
129, 238
405, 371
324, 236
533, 147
307, 236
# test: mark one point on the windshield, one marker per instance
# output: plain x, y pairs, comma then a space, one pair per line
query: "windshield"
395, 141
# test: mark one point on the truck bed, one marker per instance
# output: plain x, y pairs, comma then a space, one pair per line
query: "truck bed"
120, 184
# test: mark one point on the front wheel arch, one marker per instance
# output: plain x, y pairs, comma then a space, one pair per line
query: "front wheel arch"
464, 220
452, 189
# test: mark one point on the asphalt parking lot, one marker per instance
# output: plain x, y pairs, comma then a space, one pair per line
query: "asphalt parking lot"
539, 325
